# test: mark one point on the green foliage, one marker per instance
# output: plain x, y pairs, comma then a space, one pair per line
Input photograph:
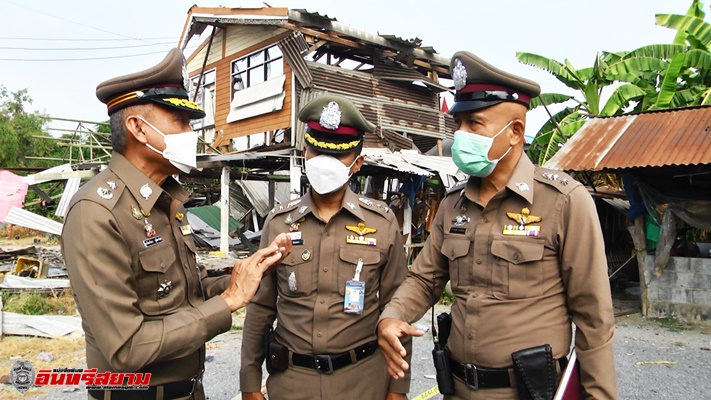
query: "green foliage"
18, 128
38, 303
652, 77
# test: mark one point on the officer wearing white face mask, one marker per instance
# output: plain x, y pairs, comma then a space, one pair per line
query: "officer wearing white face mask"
347, 261
523, 249
146, 305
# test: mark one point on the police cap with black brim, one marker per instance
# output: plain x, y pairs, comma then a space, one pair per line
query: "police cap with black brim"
334, 125
479, 84
166, 84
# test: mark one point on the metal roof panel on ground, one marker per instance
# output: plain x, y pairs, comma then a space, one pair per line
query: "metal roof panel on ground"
258, 194
678, 137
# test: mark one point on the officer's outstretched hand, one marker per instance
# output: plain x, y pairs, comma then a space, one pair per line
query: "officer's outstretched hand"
247, 273
390, 330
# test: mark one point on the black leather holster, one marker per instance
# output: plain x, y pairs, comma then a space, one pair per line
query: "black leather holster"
535, 373
275, 353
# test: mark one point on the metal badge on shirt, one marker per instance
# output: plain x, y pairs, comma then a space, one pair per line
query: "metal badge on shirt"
458, 224
361, 230
522, 228
354, 300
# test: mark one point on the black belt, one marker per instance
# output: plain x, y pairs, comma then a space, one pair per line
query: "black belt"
327, 363
170, 391
487, 378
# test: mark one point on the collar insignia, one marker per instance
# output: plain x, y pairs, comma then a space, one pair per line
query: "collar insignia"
522, 186
104, 193
146, 191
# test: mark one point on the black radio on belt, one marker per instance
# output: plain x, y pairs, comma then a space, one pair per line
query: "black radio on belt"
445, 381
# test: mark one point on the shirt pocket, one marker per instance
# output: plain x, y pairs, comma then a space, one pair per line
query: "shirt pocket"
370, 274
156, 273
519, 264
457, 252
301, 273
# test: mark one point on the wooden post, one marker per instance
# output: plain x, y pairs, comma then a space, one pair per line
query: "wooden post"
640, 244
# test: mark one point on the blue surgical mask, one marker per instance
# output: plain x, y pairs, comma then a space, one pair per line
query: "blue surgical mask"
470, 152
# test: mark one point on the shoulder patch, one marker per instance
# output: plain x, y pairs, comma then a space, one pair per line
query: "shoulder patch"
557, 179
104, 189
375, 205
282, 208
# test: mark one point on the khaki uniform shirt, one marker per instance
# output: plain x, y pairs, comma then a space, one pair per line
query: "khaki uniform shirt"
135, 279
310, 315
514, 292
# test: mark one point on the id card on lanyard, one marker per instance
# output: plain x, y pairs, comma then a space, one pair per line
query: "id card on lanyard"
355, 292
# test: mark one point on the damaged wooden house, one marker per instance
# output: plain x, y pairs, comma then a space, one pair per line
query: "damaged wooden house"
255, 67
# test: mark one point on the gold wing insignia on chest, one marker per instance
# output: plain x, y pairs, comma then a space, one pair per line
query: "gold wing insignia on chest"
361, 229
524, 217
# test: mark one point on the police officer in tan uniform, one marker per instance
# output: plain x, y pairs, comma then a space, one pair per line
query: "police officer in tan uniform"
523, 249
146, 305
347, 261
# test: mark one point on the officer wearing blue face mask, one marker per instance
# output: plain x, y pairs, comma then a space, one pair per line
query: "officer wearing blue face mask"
523, 249
147, 306
347, 261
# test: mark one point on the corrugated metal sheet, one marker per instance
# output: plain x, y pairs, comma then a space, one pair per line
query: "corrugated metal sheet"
258, 194
70, 189
396, 141
386, 69
211, 215
649, 139
21, 217
292, 47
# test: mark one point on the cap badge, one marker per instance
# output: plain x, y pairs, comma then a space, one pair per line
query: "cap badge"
524, 217
146, 191
459, 74
330, 116
187, 83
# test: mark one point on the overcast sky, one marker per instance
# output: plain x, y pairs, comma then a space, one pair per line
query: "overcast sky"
494, 30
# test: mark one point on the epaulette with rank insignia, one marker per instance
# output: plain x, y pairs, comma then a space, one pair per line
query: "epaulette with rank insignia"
282, 208
557, 179
457, 187
375, 205
104, 189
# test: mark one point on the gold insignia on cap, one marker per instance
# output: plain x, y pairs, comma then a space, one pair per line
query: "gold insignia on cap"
524, 217
330, 116
459, 74
361, 229
331, 146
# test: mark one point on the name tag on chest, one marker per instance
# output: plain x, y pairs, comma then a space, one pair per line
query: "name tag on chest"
152, 241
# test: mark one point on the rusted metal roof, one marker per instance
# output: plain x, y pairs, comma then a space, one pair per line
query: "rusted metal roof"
675, 137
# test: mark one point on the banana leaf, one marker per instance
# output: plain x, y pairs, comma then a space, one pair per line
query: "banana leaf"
698, 59
620, 98
669, 84
550, 142
548, 99
637, 66
691, 25
660, 51
553, 67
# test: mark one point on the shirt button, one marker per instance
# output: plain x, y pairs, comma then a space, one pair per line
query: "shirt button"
319, 334
322, 301
475, 295
325, 269
486, 219
469, 336
478, 261
515, 255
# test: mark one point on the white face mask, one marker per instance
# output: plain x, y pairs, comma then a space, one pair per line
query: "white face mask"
327, 174
180, 148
